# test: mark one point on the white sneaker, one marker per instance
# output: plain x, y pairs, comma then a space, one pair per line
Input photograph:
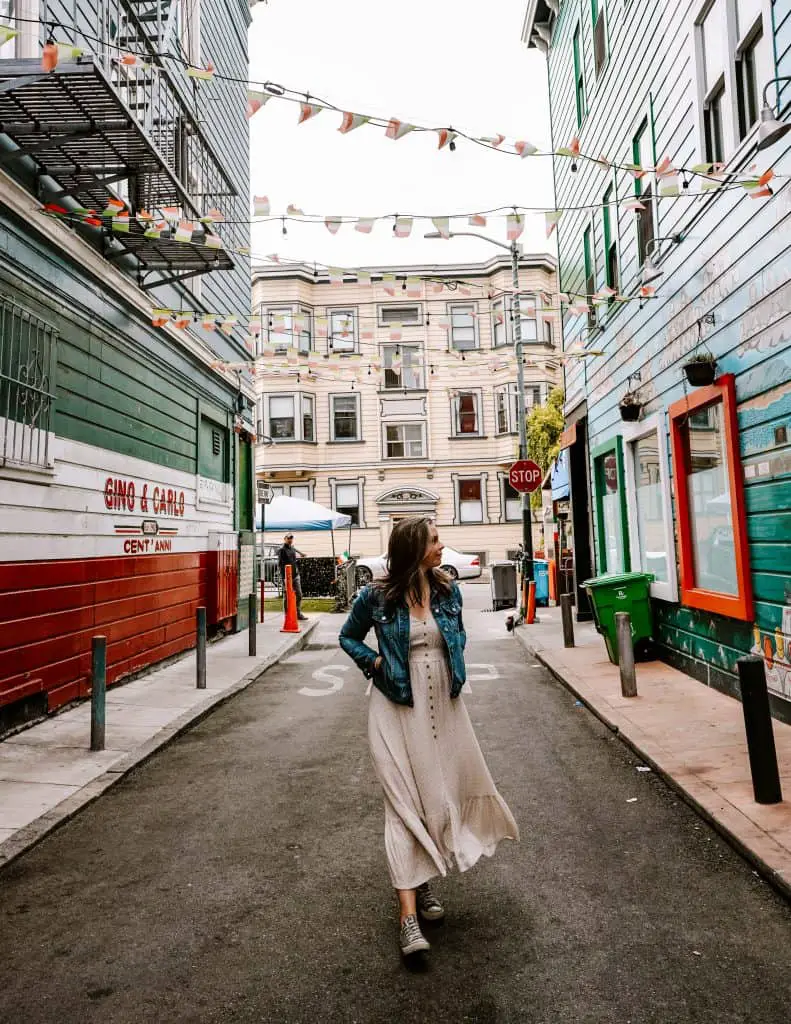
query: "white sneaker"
411, 937
428, 905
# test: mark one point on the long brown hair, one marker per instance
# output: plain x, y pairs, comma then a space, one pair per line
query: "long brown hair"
405, 553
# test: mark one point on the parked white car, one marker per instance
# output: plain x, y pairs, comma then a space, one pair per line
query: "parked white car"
455, 563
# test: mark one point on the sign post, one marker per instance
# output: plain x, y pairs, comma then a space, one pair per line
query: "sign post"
525, 476
264, 494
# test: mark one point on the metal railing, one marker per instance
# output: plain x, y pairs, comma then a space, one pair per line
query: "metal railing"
27, 369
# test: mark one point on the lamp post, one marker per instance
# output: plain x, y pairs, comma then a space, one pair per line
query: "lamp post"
516, 251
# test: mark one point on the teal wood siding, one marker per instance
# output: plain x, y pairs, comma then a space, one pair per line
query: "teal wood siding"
734, 262
120, 383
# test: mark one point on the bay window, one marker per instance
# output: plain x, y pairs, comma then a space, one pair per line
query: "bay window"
499, 333
463, 332
403, 366
506, 409
512, 502
290, 417
343, 330
712, 529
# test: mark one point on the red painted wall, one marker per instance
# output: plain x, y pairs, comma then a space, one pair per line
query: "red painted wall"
49, 611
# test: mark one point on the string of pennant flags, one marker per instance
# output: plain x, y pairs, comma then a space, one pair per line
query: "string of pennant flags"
261, 93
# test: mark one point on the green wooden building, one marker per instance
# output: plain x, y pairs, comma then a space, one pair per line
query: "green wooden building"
673, 106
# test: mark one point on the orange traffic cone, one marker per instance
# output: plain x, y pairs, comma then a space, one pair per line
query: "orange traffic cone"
290, 624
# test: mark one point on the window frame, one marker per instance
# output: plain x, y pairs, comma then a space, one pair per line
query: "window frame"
653, 425
404, 457
578, 62
411, 346
599, 13
740, 605
598, 454
589, 263
297, 398
280, 342
480, 500
498, 306
358, 432
454, 308
610, 241
307, 313
504, 499
352, 313
349, 483
510, 389
455, 413
643, 189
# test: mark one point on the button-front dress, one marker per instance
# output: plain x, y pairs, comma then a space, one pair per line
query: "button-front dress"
441, 806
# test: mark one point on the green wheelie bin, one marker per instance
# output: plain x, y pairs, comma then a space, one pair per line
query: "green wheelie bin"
623, 592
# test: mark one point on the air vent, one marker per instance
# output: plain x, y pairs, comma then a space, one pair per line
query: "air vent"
216, 442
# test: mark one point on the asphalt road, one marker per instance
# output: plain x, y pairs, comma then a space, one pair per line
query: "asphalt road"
239, 876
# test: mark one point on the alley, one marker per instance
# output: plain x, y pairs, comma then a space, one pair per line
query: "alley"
239, 876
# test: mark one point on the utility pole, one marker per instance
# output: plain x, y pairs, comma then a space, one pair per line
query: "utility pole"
516, 311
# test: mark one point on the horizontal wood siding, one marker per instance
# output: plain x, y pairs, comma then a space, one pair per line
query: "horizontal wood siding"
49, 611
734, 262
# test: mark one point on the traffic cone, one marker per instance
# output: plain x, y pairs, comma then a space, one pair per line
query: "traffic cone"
291, 623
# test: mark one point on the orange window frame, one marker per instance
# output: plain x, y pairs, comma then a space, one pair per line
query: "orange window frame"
735, 606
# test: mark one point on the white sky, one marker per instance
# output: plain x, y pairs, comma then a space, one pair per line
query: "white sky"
434, 62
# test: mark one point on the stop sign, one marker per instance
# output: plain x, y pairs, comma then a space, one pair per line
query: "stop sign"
525, 475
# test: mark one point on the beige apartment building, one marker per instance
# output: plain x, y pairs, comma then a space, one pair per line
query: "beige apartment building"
398, 395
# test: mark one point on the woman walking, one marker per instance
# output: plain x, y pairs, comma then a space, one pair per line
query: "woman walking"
441, 807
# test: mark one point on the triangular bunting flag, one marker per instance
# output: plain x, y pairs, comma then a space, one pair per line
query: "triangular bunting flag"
332, 224
514, 226
365, 225
551, 218
261, 206
308, 110
525, 148
442, 224
398, 129
294, 211
255, 100
446, 136
364, 277
493, 140
477, 221
403, 227
202, 74
388, 283
351, 121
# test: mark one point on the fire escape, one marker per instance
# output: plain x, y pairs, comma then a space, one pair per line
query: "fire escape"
98, 129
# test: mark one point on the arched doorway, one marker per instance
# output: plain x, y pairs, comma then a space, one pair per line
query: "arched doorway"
400, 502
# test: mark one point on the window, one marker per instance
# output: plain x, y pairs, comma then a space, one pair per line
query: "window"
290, 417
347, 501
343, 330
406, 315
279, 321
548, 332
712, 527
301, 491
403, 366
579, 77
643, 155
599, 36
611, 507
610, 245
506, 409
527, 317
308, 425
652, 546
499, 333
470, 502
466, 414
463, 335
713, 44
345, 417
590, 274
753, 62
27, 387
305, 335
404, 441
532, 396
512, 502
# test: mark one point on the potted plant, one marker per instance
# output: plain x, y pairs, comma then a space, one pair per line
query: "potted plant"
630, 406
700, 369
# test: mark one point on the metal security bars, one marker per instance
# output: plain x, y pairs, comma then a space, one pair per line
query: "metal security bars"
27, 387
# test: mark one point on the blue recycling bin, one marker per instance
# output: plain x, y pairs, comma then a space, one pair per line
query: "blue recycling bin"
541, 576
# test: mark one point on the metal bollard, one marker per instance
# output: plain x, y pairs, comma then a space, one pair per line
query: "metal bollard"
758, 726
263, 597
623, 632
200, 649
567, 615
252, 622
98, 690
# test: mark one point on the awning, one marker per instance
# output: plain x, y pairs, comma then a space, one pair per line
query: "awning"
560, 477
284, 513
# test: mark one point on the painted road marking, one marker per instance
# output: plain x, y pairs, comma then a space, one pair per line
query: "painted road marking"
486, 672
325, 675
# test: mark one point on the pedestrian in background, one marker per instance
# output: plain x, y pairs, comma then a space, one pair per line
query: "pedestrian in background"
288, 555
441, 806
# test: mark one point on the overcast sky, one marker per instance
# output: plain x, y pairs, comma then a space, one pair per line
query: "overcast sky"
434, 62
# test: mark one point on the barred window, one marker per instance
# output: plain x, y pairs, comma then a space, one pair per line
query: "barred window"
27, 387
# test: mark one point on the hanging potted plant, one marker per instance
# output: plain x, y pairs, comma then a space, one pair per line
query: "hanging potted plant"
630, 406
631, 403
700, 369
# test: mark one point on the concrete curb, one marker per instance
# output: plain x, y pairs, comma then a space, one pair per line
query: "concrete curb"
31, 834
730, 832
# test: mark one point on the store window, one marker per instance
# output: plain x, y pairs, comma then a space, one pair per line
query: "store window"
652, 546
470, 501
611, 517
712, 529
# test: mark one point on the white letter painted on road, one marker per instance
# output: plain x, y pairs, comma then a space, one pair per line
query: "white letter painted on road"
325, 675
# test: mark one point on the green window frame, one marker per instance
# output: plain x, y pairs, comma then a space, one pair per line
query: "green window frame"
643, 188
612, 519
579, 76
610, 245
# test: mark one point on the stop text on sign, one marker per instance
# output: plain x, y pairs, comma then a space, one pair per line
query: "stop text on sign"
123, 496
525, 475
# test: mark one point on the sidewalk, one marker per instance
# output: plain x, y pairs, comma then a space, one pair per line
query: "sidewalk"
48, 772
692, 735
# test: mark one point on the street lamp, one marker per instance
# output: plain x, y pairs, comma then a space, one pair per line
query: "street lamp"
651, 271
771, 129
515, 251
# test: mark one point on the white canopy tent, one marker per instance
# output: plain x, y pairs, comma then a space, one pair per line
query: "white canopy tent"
284, 513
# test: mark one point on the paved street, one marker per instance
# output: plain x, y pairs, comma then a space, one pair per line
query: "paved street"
239, 876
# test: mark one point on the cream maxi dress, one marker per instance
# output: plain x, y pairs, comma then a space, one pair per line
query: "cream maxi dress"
441, 805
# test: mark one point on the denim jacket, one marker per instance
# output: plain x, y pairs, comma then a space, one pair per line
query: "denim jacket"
391, 624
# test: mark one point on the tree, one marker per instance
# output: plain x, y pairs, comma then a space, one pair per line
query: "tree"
544, 427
